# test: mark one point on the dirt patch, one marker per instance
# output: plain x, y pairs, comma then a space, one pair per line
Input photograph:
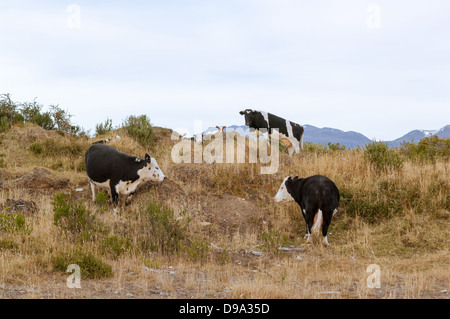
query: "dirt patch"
41, 179
192, 174
19, 206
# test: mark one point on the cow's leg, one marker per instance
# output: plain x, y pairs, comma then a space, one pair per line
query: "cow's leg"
327, 215
309, 224
114, 197
92, 190
307, 234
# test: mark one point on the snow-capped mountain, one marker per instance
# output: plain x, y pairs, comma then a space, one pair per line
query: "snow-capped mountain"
416, 135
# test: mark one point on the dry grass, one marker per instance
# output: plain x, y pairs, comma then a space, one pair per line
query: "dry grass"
397, 220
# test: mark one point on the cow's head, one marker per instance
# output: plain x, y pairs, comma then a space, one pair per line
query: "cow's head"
151, 170
286, 190
248, 114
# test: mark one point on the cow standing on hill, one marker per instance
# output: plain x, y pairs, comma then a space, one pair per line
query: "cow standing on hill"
318, 198
291, 133
121, 173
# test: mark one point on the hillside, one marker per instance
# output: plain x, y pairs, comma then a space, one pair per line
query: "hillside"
213, 230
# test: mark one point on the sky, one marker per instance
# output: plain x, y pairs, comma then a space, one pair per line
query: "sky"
377, 67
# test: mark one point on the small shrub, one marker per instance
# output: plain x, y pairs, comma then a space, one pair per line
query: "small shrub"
318, 148
382, 158
36, 148
13, 223
429, 149
101, 199
32, 112
6, 244
52, 147
140, 128
103, 128
4, 124
115, 246
57, 165
371, 206
163, 232
272, 240
336, 146
90, 266
197, 250
9, 113
71, 215
151, 263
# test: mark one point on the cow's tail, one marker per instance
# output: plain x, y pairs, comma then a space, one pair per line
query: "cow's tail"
318, 218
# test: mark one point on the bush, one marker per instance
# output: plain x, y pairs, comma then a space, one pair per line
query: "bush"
51, 147
36, 148
163, 232
336, 146
6, 244
197, 250
115, 246
140, 128
382, 158
371, 206
31, 112
394, 196
71, 215
9, 113
101, 200
90, 266
318, 148
429, 149
103, 128
13, 223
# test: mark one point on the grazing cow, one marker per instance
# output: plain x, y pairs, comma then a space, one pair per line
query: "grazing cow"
318, 198
121, 173
291, 133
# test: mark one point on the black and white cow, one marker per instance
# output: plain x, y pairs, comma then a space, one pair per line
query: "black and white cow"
106, 167
318, 198
291, 134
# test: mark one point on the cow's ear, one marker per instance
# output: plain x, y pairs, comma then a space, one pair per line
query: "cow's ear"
147, 157
289, 180
242, 112
296, 178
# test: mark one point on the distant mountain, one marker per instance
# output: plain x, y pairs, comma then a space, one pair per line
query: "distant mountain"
350, 139
416, 135
325, 135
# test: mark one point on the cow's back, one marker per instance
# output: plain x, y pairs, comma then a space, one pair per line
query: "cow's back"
99, 160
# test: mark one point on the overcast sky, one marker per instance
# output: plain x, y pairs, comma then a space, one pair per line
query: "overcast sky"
381, 68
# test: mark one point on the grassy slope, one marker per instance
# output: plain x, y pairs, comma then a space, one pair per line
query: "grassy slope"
399, 221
